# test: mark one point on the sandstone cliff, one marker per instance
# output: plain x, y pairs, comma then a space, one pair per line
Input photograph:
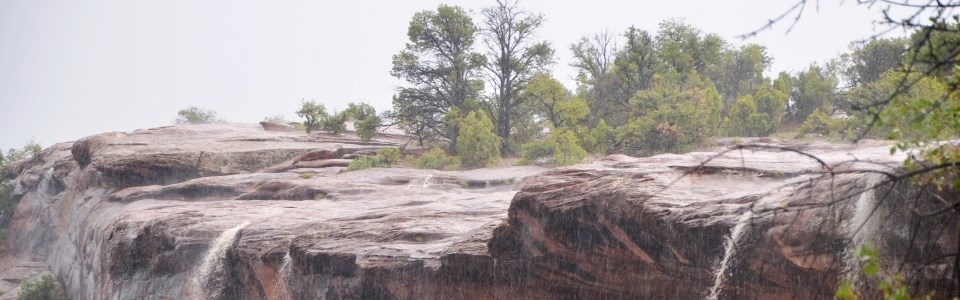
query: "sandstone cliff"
235, 212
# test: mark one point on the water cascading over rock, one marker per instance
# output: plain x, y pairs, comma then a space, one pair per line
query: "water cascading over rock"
145, 215
864, 226
729, 251
209, 279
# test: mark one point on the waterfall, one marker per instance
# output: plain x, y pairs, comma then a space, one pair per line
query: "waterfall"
864, 225
284, 275
729, 250
208, 281
426, 181
421, 184
44, 185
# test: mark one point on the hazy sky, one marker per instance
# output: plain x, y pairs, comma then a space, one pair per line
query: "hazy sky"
70, 69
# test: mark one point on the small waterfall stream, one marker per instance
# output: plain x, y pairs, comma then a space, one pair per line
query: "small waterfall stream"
208, 281
425, 183
284, 275
864, 225
44, 185
730, 249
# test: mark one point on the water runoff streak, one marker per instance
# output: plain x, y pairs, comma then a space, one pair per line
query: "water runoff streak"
730, 249
208, 281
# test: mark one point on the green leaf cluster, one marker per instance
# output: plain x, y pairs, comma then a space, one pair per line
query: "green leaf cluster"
313, 113
386, 158
441, 69
196, 115
671, 117
892, 286
756, 115
366, 121
44, 287
477, 144
562, 145
436, 159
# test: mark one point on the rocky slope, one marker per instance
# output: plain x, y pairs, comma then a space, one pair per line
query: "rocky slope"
236, 212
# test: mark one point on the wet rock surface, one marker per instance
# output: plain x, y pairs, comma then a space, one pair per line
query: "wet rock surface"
761, 223
231, 211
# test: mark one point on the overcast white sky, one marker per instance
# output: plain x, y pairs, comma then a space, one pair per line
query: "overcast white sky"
70, 69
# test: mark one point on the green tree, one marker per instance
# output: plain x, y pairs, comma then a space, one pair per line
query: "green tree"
196, 115
601, 139
335, 123
365, 120
758, 114
671, 116
477, 144
784, 83
513, 58
742, 72
934, 48
554, 103
683, 50
360, 110
567, 149
868, 62
367, 128
633, 70
31, 149
562, 145
925, 111
594, 57
815, 88
443, 71
313, 113
743, 119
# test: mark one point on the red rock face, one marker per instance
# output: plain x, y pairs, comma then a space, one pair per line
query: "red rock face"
661, 227
234, 212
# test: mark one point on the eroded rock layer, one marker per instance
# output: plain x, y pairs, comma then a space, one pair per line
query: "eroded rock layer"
236, 212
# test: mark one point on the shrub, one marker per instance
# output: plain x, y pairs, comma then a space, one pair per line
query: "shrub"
276, 119
365, 120
646, 137
562, 145
891, 284
359, 111
196, 115
384, 159
435, 159
7, 206
477, 144
758, 114
367, 127
313, 113
819, 122
602, 138
31, 149
566, 149
389, 155
671, 117
41, 288
336, 123
363, 162
531, 151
